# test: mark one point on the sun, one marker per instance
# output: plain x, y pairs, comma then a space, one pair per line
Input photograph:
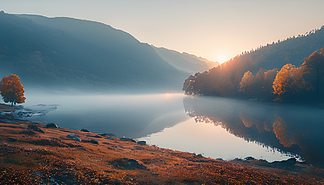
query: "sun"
221, 58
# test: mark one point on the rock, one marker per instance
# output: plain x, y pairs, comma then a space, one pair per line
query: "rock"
200, 155
73, 137
141, 142
29, 132
95, 136
127, 139
130, 164
94, 141
285, 163
91, 141
35, 128
110, 134
249, 158
85, 130
51, 125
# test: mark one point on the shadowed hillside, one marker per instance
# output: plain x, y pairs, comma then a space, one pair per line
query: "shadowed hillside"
184, 61
66, 52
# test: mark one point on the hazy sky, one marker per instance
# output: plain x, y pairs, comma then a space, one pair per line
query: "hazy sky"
207, 28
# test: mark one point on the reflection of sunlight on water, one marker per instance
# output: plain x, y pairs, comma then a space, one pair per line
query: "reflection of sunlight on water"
213, 141
167, 95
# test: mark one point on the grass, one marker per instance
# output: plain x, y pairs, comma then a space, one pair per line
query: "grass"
43, 158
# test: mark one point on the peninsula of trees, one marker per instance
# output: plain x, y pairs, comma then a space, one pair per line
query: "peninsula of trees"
276, 72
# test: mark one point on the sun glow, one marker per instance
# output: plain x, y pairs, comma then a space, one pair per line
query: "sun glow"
221, 58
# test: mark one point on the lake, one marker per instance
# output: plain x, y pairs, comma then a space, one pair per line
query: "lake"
212, 126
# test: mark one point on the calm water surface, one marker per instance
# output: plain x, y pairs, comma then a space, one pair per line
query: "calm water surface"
213, 126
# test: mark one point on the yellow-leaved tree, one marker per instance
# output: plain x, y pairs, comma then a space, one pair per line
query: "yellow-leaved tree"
289, 83
12, 90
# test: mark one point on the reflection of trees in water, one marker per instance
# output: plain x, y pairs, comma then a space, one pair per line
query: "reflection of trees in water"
304, 131
288, 128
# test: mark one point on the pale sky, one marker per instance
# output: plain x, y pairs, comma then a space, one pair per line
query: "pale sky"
208, 28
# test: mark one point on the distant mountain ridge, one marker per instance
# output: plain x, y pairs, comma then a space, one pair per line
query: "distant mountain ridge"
67, 52
77, 28
185, 61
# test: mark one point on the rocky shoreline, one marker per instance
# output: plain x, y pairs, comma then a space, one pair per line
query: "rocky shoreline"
32, 153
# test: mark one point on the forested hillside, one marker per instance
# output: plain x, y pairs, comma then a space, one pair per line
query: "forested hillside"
252, 74
85, 54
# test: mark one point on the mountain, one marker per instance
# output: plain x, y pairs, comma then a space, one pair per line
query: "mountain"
67, 52
184, 61
252, 74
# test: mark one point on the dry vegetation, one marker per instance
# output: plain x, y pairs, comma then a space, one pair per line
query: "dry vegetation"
29, 156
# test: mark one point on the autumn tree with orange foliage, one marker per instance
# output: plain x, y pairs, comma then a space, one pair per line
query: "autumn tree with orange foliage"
289, 83
12, 90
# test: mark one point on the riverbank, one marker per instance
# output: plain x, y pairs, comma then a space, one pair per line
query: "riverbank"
33, 153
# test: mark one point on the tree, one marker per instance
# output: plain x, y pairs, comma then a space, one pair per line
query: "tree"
289, 84
258, 86
314, 66
12, 90
248, 84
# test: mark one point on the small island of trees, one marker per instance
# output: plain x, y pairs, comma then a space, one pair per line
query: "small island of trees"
12, 91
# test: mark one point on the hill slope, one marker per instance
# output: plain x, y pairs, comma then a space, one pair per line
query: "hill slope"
82, 29
225, 79
66, 52
184, 61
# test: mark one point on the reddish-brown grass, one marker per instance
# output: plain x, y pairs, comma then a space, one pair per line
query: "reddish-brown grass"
31, 157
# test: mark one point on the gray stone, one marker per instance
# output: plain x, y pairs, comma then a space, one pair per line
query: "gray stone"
35, 128
51, 125
249, 158
94, 141
127, 139
141, 142
85, 130
73, 137
110, 134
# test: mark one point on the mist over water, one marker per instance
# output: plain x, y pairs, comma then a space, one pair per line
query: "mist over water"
123, 115
214, 126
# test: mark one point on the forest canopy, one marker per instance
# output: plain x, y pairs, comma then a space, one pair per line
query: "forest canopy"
235, 79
